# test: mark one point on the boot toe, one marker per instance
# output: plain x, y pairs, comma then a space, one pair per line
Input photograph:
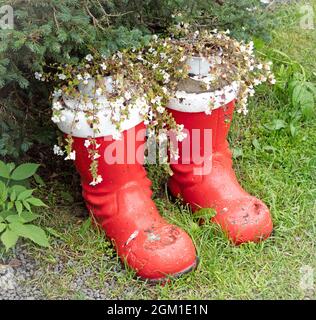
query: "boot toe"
159, 252
244, 220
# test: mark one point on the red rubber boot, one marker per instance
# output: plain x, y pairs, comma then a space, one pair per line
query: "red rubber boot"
243, 217
122, 205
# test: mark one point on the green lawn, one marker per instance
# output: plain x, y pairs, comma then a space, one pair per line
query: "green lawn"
274, 165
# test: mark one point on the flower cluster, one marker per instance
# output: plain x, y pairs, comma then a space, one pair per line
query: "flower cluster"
146, 78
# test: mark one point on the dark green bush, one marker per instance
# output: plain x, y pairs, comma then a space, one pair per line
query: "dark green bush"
63, 31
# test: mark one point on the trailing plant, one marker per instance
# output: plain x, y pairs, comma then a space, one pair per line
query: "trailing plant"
146, 78
16, 205
65, 31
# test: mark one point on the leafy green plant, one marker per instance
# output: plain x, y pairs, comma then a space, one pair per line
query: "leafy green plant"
16, 205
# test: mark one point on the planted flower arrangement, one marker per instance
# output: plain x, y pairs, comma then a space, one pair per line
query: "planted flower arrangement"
188, 81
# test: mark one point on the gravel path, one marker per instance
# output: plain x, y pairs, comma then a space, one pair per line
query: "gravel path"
20, 275
15, 273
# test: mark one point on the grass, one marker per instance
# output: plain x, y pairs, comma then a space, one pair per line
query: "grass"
272, 164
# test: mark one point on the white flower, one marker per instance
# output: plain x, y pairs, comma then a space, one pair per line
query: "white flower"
256, 82
57, 105
166, 77
127, 95
71, 156
55, 119
170, 60
103, 66
259, 66
98, 91
155, 37
89, 57
39, 76
96, 180
96, 156
272, 80
161, 109
163, 55
181, 136
61, 76
57, 93
79, 77
87, 143
57, 150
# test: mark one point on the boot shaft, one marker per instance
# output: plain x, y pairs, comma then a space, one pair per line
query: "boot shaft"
206, 133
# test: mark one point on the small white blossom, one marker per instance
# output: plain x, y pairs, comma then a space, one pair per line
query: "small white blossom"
39, 76
71, 156
127, 95
99, 91
57, 105
58, 151
89, 57
103, 66
96, 180
57, 93
55, 119
160, 109
79, 77
87, 143
61, 76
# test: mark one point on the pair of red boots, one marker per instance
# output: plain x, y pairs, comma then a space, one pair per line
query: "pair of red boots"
122, 205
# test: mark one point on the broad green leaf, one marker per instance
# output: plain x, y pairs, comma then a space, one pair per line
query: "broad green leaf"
17, 188
256, 143
276, 124
13, 196
36, 202
39, 180
9, 239
24, 171
3, 226
237, 152
3, 192
4, 170
293, 129
14, 218
302, 97
32, 232
6, 213
312, 87
28, 216
18, 206
26, 205
11, 166
25, 194
10, 205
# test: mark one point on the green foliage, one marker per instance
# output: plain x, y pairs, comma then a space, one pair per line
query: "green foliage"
16, 202
65, 31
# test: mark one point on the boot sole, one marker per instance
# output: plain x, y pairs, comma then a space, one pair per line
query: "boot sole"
173, 276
